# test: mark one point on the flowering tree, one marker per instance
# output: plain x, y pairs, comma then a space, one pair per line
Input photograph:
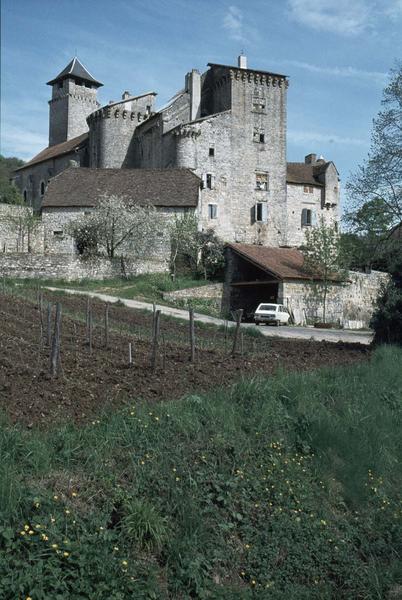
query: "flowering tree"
117, 227
322, 256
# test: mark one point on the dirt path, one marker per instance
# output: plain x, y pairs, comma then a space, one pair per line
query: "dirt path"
297, 333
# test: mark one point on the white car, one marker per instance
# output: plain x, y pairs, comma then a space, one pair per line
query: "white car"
271, 313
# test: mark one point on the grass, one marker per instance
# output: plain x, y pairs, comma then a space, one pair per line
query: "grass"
286, 487
146, 287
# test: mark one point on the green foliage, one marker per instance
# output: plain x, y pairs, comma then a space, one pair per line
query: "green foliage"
143, 525
278, 488
387, 317
375, 190
323, 257
200, 252
9, 194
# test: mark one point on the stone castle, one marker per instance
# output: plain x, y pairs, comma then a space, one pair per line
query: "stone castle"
216, 149
227, 126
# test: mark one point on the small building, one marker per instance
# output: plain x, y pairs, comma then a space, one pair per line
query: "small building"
76, 192
256, 274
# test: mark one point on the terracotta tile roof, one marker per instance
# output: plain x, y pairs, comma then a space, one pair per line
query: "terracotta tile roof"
161, 187
57, 150
283, 263
305, 174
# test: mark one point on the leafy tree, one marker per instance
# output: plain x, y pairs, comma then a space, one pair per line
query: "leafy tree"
323, 257
24, 223
212, 259
9, 194
200, 251
387, 318
117, 227
375, 190
183, 242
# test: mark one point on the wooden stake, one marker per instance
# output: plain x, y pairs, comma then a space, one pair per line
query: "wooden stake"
90, 329
242, 343
48, 322
87, 313
239, 314
106, 325
164, 352
55, 350
192, 335
155, 340
130, 354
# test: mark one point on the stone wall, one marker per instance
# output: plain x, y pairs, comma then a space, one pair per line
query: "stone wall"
297, 200
14, 234
214, 290
68, 109
72, 268
29, 179
346, 302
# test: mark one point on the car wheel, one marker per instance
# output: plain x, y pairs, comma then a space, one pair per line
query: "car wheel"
277, 323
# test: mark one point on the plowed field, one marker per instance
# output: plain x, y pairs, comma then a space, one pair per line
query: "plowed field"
90, 382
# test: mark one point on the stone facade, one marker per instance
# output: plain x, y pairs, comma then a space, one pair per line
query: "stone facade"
72, 101
348, 302
228, 125
33, 180
213, 290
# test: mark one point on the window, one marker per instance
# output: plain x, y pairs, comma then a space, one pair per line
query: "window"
261, 212
212, 151
208, 181
212, 211
60, 85
258, 101
308, 189
308, 217
259, 135
261, 181
58, 234
42, 188
25, 195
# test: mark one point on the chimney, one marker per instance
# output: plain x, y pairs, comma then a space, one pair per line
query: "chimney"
125, 95
310, 159
242, 61
193, 87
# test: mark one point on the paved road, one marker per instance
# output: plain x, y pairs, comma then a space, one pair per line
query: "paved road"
303, 333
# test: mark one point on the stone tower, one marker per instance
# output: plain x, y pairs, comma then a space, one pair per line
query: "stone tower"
73, 99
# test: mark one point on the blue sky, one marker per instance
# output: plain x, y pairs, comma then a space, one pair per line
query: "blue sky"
337, 54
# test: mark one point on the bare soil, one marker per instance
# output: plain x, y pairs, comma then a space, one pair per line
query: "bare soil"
90, 382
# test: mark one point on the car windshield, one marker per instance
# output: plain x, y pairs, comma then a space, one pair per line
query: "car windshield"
267, 307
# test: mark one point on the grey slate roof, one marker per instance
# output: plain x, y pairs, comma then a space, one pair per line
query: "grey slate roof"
83, 187
305, 174
70, 146
75, 69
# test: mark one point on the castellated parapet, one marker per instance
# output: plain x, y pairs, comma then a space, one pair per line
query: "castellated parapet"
111, 130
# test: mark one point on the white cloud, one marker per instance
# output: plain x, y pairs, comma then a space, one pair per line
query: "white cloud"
345, 17
21, 142
233, 23
352, 72
315, 137
394, 9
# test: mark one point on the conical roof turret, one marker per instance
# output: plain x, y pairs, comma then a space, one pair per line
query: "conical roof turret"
76, 70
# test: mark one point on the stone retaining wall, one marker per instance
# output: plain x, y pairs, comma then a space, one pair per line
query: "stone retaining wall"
214, 290
70, 268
